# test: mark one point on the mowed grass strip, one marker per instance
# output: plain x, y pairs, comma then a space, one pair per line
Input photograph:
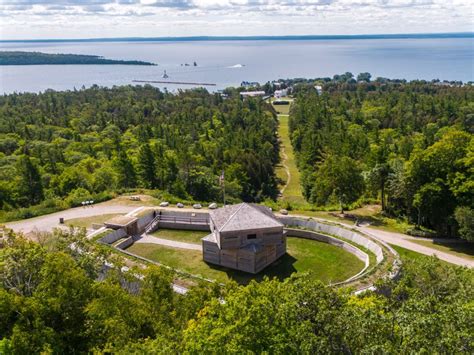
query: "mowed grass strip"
180, 235
457, 247
407, 254
292, 192
86, 222
324, 262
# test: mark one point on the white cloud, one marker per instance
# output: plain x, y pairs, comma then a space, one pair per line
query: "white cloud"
118, 18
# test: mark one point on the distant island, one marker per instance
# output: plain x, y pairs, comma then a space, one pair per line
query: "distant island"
38, 58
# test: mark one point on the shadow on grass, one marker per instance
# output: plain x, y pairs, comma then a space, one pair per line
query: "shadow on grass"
281, 269
457, 246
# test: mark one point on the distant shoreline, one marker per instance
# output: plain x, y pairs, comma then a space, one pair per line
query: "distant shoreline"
39, 58
252, 38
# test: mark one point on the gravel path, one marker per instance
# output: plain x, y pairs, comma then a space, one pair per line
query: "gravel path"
149, 239
50, 221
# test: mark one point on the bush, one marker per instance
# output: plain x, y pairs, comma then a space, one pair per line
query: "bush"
465, 218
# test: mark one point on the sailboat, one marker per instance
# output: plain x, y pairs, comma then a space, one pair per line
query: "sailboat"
165, 76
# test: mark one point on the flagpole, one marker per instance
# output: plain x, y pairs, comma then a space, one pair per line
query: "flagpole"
223, 186
222, 182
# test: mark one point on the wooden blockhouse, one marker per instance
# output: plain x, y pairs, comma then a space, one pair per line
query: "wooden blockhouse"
244, 237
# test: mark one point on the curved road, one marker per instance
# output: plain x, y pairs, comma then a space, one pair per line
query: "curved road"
51, 221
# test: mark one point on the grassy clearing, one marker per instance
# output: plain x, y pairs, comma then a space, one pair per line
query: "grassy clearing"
87, 222
292, 192
282, 109
325, 262
180, 235
457, 248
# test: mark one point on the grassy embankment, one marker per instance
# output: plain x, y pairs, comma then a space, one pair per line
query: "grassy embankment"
86, 222
325, 262
456, 247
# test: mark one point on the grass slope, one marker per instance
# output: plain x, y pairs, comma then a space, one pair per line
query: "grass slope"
180, 235
324, 262
457, 248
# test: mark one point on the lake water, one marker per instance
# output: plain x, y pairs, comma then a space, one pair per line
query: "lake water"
228, 63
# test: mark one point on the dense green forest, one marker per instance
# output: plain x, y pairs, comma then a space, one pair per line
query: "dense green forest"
75, 145
38, 58
429, 310
408, 145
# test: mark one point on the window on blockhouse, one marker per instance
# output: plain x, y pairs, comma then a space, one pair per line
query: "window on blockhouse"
251, 236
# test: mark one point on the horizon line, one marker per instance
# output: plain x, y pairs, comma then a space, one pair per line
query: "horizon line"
249, 38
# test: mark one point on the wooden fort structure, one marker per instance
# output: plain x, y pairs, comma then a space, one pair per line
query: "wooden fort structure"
245, 237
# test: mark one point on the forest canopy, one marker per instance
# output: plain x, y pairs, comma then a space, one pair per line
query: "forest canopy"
408, 145
38, 58
429, 310
75, 145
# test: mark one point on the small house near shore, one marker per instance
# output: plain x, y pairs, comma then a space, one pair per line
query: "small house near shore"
244, 237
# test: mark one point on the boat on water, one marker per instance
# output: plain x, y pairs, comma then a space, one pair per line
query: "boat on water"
165, 76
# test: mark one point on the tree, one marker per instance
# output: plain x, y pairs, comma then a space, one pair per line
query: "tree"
146, 166
364, 77
30, 187
126, 175
377, 177
339, 177
465, 219
432, 201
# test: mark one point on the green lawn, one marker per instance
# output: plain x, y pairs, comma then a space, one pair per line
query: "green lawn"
181, 235
406, 254
292, 193
283, 109
87, 222
457, 248
324, 262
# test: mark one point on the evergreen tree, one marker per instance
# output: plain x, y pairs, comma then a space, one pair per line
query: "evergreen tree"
146, 167
30, 187
127, 176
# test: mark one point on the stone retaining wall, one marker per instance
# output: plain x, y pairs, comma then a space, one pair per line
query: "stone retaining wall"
196, 217
184, 226
337, 231
125, 243
112, 237
144, 221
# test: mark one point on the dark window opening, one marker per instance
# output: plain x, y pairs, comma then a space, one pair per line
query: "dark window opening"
252, 236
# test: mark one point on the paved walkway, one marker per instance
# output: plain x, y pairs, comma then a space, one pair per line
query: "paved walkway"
149, 239
404, 241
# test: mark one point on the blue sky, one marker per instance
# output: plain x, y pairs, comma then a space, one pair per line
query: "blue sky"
36, 19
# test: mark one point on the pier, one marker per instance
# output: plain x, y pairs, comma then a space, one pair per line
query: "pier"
172, 82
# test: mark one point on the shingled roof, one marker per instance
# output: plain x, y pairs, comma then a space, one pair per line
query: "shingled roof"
243, 216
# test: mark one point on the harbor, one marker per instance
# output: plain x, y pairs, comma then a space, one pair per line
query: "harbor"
173, 82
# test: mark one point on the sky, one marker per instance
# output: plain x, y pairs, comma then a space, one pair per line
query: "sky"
60, 19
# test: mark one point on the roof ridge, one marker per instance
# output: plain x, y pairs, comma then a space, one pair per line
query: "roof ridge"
232, 215
258, 207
